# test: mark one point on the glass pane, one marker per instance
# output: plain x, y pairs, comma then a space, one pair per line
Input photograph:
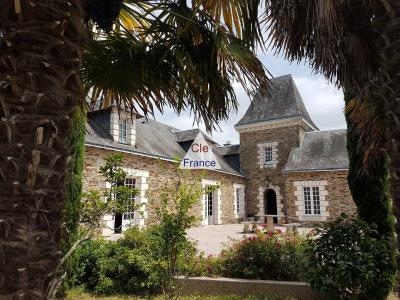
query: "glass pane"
122, 131
268, 154
316, 201
307, 200
210, 203
237, 200
130, 182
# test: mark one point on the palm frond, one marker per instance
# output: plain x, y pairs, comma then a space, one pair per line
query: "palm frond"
369, 121
240, 17
187, 62
334, 36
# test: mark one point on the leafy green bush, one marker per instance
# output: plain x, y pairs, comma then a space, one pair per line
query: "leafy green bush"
269, 256
143, 260
125, 266
345, 258
174, 252
211, 266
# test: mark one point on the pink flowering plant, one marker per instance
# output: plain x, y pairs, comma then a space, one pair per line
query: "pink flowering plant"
265, 255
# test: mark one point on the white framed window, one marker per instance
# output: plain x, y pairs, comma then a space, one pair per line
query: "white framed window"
268, 155
130, 214
209, 202
123, 131
238, 200
312, 204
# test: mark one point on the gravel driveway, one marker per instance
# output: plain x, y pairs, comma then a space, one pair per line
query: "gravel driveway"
211, 238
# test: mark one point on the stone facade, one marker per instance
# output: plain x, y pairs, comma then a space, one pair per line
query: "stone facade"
294, 172
259, 177
335, 195
284, 167
153, 174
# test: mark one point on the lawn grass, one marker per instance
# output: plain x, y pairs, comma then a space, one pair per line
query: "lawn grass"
80, 295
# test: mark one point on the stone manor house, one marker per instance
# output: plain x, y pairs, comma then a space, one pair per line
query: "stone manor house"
283, 167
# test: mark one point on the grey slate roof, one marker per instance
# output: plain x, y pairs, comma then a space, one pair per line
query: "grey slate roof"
190, 135
152, 138
283, 102
231, 153
229, 149
320, 150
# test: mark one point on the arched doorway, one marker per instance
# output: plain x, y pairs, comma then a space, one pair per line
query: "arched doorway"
270, 204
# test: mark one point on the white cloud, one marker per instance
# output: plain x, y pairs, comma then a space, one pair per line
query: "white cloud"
323, 101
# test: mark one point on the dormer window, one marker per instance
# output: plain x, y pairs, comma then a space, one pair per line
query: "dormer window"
123, 127
123, 131
268, 155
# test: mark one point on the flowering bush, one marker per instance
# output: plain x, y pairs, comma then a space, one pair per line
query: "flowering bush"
210, 266
266, 255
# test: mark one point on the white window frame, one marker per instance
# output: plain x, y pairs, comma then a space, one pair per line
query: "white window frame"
269, 160
209, 199
237, 199
123, 131
268, 155
130, 214
312, 201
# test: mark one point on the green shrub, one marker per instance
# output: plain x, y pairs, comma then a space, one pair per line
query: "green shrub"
175, 254
208, 266
345, 260
86, 271
125, 266
269, 256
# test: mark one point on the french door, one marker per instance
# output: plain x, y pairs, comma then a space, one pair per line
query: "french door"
209, 207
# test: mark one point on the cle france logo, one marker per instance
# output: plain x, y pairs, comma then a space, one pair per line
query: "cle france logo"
200, 156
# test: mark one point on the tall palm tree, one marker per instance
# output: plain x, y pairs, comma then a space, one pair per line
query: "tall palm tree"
41, 46
40, 54
354, 43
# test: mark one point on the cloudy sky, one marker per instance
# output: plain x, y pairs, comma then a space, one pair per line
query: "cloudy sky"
323, 101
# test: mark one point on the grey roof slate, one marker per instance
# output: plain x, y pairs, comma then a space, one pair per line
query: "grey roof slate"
231, 153
320, 150
153, 139
229, 149
284, 101
189, 135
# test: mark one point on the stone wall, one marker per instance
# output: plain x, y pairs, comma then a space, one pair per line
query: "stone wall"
205, 286
334, 193
284, 139
155, 174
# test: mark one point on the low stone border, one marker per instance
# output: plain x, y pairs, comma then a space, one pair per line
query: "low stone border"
206, 286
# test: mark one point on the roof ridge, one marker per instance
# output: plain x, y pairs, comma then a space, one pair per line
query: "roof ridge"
326, 130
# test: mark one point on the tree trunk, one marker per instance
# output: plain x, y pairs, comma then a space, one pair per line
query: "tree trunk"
388, 17
370, 188
41, 44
